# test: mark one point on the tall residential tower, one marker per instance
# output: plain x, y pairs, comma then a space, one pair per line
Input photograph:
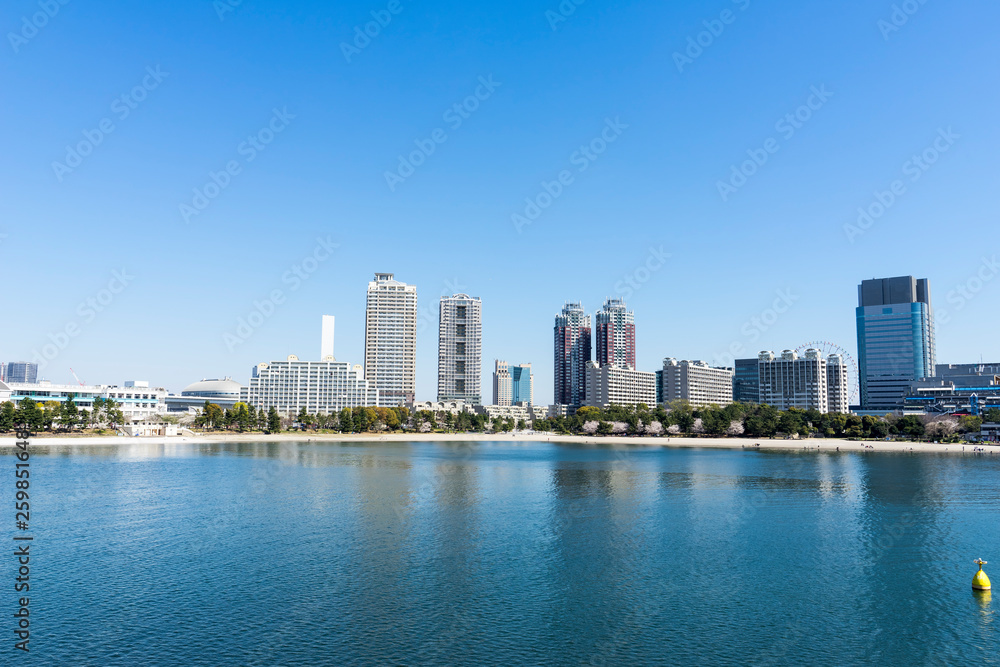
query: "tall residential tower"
460, 349
615, 335
503, 394
895, 339
391, 339
572, 352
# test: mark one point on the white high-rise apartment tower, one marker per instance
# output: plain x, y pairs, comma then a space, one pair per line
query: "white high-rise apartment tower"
391, 339
326, 341
503, 389
807, 383
460, 349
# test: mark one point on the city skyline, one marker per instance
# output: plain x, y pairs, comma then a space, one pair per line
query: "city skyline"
486, 374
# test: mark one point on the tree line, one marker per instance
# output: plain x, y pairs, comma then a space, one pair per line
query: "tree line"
60, 415
758, 420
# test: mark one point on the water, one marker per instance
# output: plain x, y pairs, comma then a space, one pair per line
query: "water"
505, 554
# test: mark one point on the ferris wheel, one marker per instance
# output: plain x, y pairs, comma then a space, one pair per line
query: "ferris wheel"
827, 348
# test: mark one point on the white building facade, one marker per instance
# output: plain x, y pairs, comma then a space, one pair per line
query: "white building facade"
503, 393
137, 400
838, 396
618, 384
803, 382
321, 387
391, 339
460, 349
696, 382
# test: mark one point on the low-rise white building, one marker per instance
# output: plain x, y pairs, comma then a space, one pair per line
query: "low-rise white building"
136, 399
150, 429
620, 385
695, 382
518, 411
454, 407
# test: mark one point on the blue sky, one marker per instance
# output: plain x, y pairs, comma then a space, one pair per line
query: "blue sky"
681, 127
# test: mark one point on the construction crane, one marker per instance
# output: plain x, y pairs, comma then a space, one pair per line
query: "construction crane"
77, 378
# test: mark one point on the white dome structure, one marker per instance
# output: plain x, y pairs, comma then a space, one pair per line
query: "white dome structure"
226, 388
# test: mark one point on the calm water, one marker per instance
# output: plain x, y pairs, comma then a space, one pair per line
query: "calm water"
506, 554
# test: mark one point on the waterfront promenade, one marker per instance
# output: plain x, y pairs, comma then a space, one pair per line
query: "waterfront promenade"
803, 444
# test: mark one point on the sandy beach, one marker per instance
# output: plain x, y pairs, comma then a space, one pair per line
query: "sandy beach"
821, 445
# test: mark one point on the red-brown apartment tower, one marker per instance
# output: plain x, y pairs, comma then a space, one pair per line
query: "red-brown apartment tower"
615, 334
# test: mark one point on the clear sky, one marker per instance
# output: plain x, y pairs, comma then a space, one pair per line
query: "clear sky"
327, 121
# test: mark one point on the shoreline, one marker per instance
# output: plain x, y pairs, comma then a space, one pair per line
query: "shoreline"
818, 444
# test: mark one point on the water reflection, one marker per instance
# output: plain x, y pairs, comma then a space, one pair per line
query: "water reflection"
495, 553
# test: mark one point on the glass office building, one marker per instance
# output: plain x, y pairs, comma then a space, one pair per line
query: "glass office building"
746, 383
520, 380
895, 339
21, 371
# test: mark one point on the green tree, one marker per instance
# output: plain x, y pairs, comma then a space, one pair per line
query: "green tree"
790, 422
30, 413
604, 428
880, 429
346, 421
360, 420
681, 414
763, 422
992, 415
910, 425
273, 420
70, 414
971, 424
241, 416
113, 413
8, 416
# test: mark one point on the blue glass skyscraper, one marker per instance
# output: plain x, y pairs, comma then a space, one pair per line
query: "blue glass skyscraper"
746, 383
520, 380
895, 339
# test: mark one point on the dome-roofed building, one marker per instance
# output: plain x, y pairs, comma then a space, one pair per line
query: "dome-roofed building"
224, 388
223, 392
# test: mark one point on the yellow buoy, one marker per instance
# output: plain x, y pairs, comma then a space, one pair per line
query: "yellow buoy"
980, 582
